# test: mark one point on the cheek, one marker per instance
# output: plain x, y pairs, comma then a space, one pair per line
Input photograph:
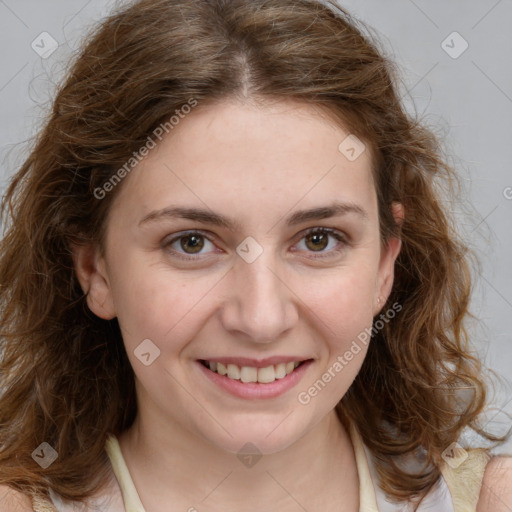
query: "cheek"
158, 304
341, 309
342, 300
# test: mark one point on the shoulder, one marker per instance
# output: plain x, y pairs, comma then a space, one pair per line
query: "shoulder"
14, 501
496, 490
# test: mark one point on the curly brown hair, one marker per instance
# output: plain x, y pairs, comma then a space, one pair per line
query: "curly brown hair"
64, 374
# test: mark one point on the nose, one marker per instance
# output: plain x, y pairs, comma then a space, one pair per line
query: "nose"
261, 303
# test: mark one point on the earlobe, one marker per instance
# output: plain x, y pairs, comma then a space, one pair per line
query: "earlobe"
91, 272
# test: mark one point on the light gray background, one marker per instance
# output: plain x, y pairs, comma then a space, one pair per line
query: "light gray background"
467, 100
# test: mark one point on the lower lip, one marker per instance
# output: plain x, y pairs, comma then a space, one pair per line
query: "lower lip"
256, 389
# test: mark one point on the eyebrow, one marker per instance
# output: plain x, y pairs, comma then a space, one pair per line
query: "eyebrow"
216, 219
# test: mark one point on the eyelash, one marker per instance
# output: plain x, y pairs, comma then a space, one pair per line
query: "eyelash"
340, 237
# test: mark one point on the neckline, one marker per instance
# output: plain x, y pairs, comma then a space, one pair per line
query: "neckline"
132, 502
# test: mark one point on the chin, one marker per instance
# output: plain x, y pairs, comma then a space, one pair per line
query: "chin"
270, 435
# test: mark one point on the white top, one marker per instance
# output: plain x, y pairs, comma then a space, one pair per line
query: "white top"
456, 491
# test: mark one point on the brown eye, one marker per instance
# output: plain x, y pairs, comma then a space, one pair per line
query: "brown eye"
192, 244
189, 245
317, 241
324, 241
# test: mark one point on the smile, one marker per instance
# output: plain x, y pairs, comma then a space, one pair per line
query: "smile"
251, 379
248, 374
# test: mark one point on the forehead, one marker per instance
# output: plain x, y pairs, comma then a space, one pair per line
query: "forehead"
257, 159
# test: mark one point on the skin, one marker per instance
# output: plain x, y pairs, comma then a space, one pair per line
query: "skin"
257, 164
182, 447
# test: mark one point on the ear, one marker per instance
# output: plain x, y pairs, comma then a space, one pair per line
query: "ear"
91, 271
388, 257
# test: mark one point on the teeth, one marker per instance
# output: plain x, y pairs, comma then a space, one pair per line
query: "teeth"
233, 371
266, 375
251, 374
280, 370
248, 374
221, 369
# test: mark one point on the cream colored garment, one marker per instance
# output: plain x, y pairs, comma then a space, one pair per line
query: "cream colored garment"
457, 490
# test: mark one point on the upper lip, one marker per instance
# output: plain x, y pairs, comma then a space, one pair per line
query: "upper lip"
256, 363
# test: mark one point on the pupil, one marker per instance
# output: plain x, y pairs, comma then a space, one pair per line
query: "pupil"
318, 237
194, 242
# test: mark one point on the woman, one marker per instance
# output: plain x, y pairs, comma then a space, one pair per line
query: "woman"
229, 281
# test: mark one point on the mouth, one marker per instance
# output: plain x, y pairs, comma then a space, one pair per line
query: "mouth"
253, 374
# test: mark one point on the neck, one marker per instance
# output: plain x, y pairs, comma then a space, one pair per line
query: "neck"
171, 465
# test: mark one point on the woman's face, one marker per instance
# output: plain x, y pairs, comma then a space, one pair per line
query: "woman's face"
215, 256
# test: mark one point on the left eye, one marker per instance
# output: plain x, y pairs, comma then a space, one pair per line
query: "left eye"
317, 240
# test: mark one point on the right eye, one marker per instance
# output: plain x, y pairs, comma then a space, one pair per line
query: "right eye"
187, 244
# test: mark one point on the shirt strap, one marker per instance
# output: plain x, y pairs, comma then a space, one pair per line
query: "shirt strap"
131, 498
42, 504
367, 498
464, 474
